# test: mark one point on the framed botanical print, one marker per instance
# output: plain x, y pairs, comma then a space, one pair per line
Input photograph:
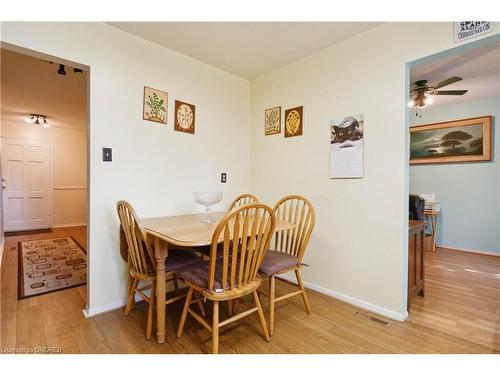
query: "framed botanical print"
272, 121
293, 122
451, 142
155, 105
184, 117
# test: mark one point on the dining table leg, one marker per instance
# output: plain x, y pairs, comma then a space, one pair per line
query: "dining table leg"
161, 252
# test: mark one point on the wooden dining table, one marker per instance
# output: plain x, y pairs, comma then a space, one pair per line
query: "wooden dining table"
183, 231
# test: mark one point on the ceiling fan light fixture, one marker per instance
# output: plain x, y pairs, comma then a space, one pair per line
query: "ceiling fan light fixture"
45, 123
411, 103
428, 100
30, 119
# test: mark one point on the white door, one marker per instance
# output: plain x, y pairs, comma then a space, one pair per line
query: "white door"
27, 177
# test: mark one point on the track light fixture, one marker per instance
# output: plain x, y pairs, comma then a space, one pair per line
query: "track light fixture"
37, 119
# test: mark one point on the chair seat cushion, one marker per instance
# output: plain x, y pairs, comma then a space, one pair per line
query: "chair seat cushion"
179, 259
198, 275
276, 261
205, 250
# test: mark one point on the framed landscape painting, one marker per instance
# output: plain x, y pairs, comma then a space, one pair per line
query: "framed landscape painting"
451, 142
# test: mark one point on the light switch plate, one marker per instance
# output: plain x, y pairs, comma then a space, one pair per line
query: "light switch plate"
107, 154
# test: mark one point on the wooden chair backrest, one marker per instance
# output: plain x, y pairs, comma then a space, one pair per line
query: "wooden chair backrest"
140, 254
242, 200
246, 232
298, 210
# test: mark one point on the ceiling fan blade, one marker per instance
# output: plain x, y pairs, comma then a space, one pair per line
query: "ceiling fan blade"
446, 82
449, 92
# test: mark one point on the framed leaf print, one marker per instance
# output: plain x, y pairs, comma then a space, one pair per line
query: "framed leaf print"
155, 105
272, 121
184, 117
293, 122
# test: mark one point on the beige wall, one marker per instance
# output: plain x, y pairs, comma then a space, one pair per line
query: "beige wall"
154, 167
69, 169
358, 248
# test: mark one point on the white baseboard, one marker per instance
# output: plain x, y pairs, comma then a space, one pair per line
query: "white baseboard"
469, 250
90, 313
353, 301
69, 225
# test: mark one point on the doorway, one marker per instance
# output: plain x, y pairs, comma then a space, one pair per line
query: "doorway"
453, 110
44, 164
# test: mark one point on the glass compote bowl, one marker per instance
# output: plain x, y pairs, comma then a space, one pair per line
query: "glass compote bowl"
207, 199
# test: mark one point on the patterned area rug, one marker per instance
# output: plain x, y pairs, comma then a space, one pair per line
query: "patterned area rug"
50, 265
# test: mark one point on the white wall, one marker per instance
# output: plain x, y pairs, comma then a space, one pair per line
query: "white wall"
470, 216
154, 167
358, 248
69, 168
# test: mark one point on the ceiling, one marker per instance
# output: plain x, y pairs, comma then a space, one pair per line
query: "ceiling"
479, 68
247, 49
32, 85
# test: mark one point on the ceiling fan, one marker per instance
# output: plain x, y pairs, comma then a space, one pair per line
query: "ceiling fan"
420, 93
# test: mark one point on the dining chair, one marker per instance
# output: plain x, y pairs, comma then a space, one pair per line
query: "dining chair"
246, 233
242, 199
288, 249
141, 262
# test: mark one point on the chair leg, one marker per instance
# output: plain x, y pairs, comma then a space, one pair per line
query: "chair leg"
215, 329
230, 307
176, 282
235, 306
152, 300
304, 295
272, 292
261, 316
131, 295
200, 306
185, 312
131, 280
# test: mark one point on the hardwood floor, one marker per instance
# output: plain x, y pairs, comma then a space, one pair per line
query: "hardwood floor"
56, 319
462, 296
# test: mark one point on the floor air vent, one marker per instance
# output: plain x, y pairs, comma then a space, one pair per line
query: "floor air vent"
374, 319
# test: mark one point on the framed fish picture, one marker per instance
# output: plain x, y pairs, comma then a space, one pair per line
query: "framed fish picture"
294, 122
457, 141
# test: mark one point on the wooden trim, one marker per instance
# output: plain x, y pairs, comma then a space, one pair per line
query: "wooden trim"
69, 225
473, 251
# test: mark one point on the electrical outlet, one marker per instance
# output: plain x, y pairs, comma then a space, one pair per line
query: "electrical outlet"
107, 154
223, 177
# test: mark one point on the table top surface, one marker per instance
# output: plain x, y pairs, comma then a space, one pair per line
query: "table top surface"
189, 230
